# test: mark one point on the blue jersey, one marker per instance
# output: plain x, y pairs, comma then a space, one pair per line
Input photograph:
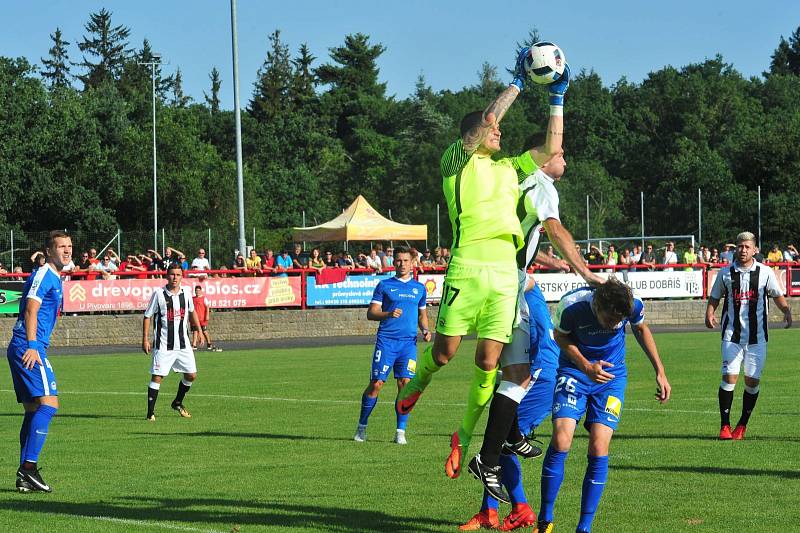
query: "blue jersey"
408, 295
544, 350
44, 286
575, 317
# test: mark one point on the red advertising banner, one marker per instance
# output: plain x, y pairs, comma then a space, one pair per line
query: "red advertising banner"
133, 294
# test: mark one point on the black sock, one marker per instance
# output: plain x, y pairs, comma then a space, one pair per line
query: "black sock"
725, 402
152, 395
182, 390
514, 434
502, 413
748, 404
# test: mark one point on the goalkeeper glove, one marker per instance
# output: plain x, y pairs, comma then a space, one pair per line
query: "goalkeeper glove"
519, 69
559, 87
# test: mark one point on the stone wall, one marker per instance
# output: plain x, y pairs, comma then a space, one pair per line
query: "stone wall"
109, 330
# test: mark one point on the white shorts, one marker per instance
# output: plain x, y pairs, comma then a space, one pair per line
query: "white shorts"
753, 355
176, 360
518, 351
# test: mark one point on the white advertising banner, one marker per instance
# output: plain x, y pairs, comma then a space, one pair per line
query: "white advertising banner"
677, 284
433, 286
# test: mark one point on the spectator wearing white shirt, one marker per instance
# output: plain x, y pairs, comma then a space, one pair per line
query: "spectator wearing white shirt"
670, 257
374, 262
200, 263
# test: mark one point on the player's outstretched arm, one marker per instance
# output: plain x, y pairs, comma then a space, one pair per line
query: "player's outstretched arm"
645, 339
595, 371
711, 308
553, 263
563, 241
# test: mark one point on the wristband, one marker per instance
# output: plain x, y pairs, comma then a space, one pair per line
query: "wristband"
556, 99
518, 83
34, 345
556, 110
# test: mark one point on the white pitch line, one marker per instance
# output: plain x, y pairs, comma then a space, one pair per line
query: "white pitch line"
351, 402
145, 523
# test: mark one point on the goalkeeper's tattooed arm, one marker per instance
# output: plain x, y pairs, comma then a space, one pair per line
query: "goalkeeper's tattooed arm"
491, 115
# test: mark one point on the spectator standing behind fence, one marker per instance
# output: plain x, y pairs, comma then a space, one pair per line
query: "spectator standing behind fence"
240, 265
438, 258
594, 256
426, 260
3, 269
727, 255
328, 259
689, 258
714, 258
670, 257
612, 258
93, 256
315, 261
268, 262
374, 262
299, 257
201, 261
636, 255
790, 254
343, 260
388, 259
283, 263
775, 255
625, 258
106, 267
648, 257
253, 263
39, 260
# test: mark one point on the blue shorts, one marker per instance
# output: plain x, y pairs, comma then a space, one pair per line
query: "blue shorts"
576, 395
34, 383
398, 355
536, 404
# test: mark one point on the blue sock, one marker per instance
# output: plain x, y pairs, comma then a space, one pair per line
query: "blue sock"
367, 405
552, 476
23, 435
489, 501
37, 433
512, 478
402, 420
593, 484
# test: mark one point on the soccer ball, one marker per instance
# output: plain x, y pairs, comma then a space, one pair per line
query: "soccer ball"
545, 62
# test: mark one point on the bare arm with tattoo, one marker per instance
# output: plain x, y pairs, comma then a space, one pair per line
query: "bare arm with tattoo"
491, 115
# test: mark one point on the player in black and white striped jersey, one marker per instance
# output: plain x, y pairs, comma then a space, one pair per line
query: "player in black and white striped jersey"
745, 287
171, 309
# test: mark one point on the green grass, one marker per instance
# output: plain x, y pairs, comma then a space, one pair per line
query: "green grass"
269, 449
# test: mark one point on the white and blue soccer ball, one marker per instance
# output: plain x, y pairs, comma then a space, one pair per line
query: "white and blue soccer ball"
545, 62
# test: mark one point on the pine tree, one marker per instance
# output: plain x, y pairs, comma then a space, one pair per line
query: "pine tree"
57, 73
216, 83
179, 99
271, 91
108, 44
303, 81
357, 70
786, 58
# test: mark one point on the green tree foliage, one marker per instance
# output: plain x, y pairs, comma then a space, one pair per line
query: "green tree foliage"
319, 132
107, 45
57, 65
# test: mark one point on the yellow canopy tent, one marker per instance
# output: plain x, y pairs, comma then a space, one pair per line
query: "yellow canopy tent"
361, 222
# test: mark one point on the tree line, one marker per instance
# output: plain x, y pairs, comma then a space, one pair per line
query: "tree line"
75, 142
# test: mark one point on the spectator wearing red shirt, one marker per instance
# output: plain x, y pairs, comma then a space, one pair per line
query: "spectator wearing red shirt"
268, 262
202, 307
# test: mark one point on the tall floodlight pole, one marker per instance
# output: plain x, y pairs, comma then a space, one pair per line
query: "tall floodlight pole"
759, 217
156, 60
587, 222
641, 204
699, 217
238, 115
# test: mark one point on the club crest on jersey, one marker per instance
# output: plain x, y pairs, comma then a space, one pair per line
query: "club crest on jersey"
613, 406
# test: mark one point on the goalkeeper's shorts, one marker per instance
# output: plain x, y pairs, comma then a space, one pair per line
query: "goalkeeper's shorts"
479, 297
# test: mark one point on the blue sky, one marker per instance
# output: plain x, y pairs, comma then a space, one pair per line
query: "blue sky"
445, 40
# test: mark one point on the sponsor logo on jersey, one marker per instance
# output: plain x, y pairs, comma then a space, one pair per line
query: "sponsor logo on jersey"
613, 406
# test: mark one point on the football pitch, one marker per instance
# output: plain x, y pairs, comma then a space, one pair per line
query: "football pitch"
269, 448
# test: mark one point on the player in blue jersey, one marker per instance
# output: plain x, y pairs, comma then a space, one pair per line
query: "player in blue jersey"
590, 330
398, 303
533, 409
31, 372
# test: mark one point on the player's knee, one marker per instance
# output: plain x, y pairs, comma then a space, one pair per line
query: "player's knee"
189, 377
724, 385
374, 387
751, 385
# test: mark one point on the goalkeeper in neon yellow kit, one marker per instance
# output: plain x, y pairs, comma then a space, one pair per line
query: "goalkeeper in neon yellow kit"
482, 281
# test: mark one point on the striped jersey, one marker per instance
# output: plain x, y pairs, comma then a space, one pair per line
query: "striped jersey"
745, 309
44, 286
481, 194
538, 201
171, 318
